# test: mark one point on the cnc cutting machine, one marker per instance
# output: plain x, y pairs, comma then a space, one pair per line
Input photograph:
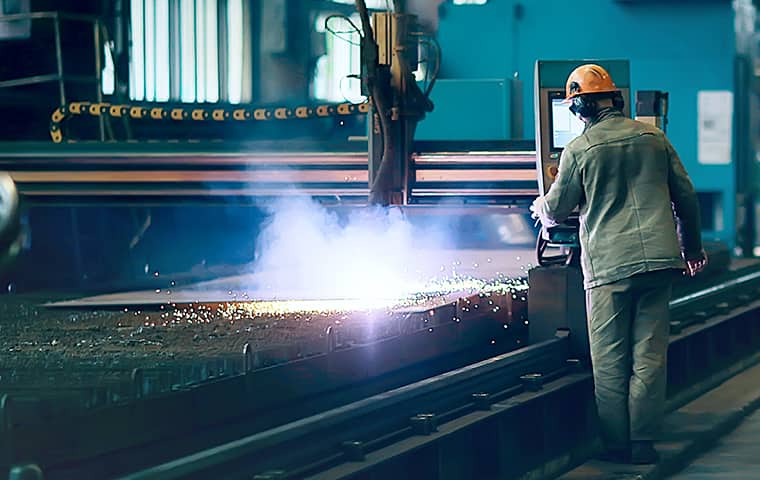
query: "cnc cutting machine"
412, 345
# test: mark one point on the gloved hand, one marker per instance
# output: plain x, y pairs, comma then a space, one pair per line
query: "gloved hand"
696, 265
535, 208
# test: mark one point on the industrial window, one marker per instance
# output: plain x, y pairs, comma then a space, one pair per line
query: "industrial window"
108, 74
189, 51
336, 73
335, 76
371, 4
17, 29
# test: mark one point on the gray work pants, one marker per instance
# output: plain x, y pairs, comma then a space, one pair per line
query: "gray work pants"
629, 325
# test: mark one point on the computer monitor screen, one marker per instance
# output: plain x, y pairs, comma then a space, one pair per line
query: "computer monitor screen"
565, 125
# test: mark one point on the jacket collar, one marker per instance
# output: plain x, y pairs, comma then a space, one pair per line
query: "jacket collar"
604, 114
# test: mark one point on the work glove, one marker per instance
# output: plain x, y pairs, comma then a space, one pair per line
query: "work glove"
696, 265
535, 208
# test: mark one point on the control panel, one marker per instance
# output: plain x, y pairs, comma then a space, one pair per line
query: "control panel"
555, 123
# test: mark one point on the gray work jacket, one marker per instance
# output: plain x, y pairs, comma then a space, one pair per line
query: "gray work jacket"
629, 182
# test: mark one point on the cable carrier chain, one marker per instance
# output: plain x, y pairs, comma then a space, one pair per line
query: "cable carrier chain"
199, 114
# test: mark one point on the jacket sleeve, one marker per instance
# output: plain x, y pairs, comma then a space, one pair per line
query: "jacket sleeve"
564, 194
685, 205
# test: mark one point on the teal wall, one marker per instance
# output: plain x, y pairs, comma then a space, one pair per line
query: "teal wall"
681, 47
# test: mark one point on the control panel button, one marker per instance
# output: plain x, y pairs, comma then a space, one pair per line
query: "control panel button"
553, 171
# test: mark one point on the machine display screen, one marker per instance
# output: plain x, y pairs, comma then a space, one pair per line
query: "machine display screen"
565, 125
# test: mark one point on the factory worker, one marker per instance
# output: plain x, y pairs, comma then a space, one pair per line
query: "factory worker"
639, 226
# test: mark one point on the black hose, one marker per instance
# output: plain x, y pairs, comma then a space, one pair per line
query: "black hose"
380, 183
546, 261
382, 179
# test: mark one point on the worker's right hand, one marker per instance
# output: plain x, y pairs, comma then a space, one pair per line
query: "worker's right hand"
695, 266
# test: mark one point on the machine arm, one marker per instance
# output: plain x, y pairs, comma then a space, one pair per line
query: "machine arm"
397, 100
375, 79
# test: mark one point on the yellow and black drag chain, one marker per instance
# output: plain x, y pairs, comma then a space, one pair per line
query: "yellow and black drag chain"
238, 113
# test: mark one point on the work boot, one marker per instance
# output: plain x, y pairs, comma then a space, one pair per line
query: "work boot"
643, 453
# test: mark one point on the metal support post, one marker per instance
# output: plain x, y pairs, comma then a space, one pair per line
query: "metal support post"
98, 75
59, 59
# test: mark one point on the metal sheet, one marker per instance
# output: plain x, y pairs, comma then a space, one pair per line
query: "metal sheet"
484, 264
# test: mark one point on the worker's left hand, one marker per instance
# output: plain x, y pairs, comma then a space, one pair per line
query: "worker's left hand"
696, 265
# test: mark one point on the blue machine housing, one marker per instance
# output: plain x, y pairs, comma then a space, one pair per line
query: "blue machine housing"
672, 48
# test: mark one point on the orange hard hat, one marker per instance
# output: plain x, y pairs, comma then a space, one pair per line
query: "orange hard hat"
589, 78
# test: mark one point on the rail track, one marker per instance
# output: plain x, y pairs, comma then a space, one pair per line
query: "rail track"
499, 418
298, 418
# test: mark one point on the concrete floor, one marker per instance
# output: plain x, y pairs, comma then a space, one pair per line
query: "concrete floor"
735, 457
693, 428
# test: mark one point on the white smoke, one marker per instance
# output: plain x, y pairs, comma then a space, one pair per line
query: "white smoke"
307, 251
